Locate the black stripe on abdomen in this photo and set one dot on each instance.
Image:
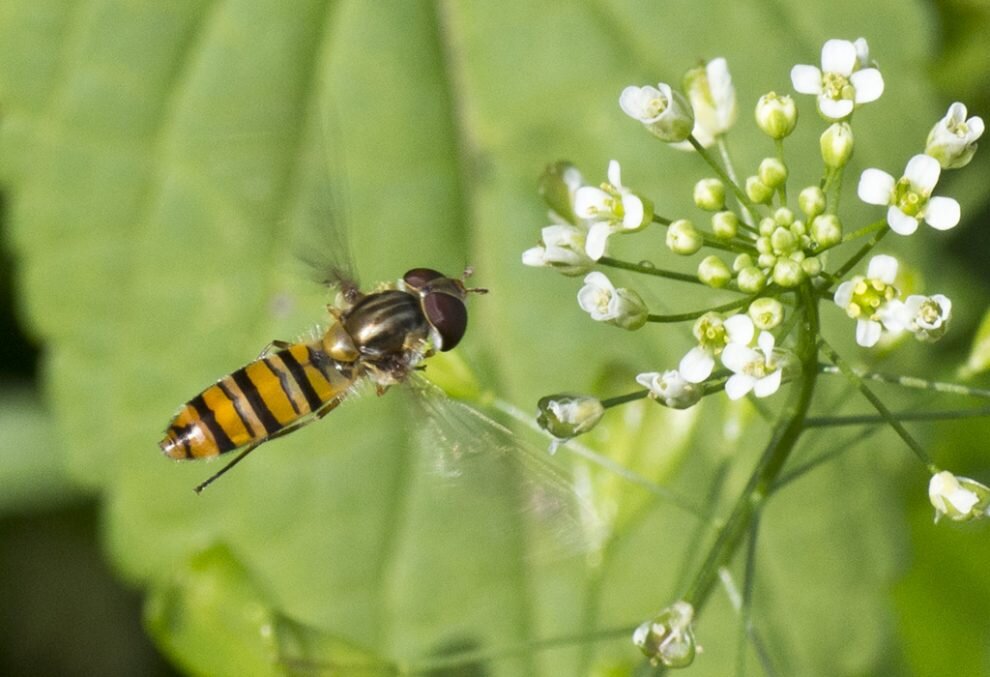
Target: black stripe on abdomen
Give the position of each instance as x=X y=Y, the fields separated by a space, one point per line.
x=206 y=415
x=256 y=401
x=298 y=374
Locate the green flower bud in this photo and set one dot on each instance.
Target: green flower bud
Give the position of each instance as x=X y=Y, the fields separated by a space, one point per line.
x=565 y=416
x=787 y=273
x=783 y=241
x=776 y=115
x=683 y=238
x=837 y=145
x=767 y=225
x=757 y=191
x=725 y=224
x=751 y=280
x=783 y=216
x=811 y=200
x=766 y=313
x=811 y=266
x=767 y=261
x=709 y=194
x=763 y=245
x=772 y=172
x=713 y=272
x=742 y=261
x=826 y=230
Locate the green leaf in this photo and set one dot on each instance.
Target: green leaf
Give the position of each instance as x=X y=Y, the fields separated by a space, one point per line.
x=979 y=353
x=161 y=164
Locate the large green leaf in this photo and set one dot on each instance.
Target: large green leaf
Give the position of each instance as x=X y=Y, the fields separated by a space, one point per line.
x=161 y=163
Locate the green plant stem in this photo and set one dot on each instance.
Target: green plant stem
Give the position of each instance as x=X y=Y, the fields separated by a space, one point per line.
x=782 y=442
x=858 y=256
x=778 y=145
x=649 y=270
x=875 y=419
x=695 y=314
x=734 y=185
x=881 y=408
x=912 y=382
x=833 y=186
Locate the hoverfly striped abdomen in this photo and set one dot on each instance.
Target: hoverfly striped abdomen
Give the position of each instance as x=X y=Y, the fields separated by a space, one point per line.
x=255 y=403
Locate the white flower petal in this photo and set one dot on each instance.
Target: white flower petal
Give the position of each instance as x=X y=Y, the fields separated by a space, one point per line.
x=868 y=333
x=614 y=174
x=696 y=365
x=649 y=380
x=739 y=329
x=975 y=125
x=766 y=342
x=739 y=385
x=838 y=56
x=768 y=385
x=883 y=268
x=923 y=172
x=843 y=295
x=835 y=109
x=535 y=256
x=875 y=187
x=942 y=213
x=868 y=84
x=901 y=223
x=589 y=201
x=629 y=102
x=737 y=356
x=634 y=211
x=806 y=79
x=594 y=244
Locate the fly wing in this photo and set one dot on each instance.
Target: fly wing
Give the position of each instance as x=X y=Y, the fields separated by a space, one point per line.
x=496 y=488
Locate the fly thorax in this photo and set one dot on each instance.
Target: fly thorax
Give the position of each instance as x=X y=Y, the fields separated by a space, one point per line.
x=386 y=324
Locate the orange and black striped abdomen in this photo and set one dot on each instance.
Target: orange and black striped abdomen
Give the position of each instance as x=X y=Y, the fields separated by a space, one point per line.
x=255 y=402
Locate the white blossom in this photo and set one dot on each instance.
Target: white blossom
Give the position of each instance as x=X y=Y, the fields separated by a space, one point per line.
x=952 y=141
x=842 y=83
x=958 y=498
x=866 y=299
x=610 y=209
x=562 y=247
x=759 y=370
x=713 y=99
x=927 y=317
x=713 y=335
x=606 y=303
x=670 y=388
x=664 y=112
x=910 y=199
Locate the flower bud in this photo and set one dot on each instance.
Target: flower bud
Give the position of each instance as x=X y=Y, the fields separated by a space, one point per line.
x=742 y=261
x=772 y=172
x=787 y=273
x=767 y=225
x=664 y=112
x=725 y=224
x=713 y=272
x=713 y=98
x=958 y=498
x=783 y=241
x=783 y=217
x=668 y=639
x=776 y=115
x=709 y=194
x=683 y=238
x=766 y=313
x=837 y=145
x=751 y=280
x=557 y=186
x=811 y=266
x=565 y=416
x=811 y=200
x=757 y=191
x=605 y=303
x=826 y=230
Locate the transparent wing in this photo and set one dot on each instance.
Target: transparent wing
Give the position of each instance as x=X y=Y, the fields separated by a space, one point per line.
x=495 y=487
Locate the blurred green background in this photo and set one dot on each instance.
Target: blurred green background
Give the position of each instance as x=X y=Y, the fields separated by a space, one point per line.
x=159 y=162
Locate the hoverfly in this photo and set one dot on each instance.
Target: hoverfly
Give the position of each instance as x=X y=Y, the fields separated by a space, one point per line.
x=381 y=336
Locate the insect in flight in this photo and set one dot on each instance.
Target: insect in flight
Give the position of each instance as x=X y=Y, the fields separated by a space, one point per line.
x=381 y=336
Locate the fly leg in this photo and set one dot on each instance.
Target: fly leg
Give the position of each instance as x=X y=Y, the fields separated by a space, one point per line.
x=318 y=414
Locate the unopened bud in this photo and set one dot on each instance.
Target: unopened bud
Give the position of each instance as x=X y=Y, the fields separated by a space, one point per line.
x=725 y=224
x=557 y=187
x=811 y=200
x=826 y=230
x=776 y=115
x=713 y=272
x=751 y=280
x=787 y=273
x=772 y=172
x=766 y=313
x=837 y=145
x=757 y=191
x=683 y=238
x=565 y=416
x=709 y=194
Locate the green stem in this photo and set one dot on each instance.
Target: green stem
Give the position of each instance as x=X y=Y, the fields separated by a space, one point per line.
x=858 y=256
x=623 y=399
x=782 y=189
x=649 y=270
x=785 y=436
x=873 y=419
x=695 y=314
x=737 y=191
x=881 y=408
x=912 y=382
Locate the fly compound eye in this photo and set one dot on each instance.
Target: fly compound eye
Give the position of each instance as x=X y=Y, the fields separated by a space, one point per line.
x=448 y=315
x=418 y=278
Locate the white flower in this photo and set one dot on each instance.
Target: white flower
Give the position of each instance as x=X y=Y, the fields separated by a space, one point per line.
x=754 y=370
x=612 y=208
x=670 y=388
x=565 y=416
x=952 y=141
x=866 y=299
x=842 y=83
x=563 y=248
x=927 y=317
x=621 y=307
x=663 y=111
x=958 y=498
x=910 y=199
x=713 y=334
x=713 y=98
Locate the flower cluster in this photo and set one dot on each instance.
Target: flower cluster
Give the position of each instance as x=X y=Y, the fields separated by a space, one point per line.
x=769 y=253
